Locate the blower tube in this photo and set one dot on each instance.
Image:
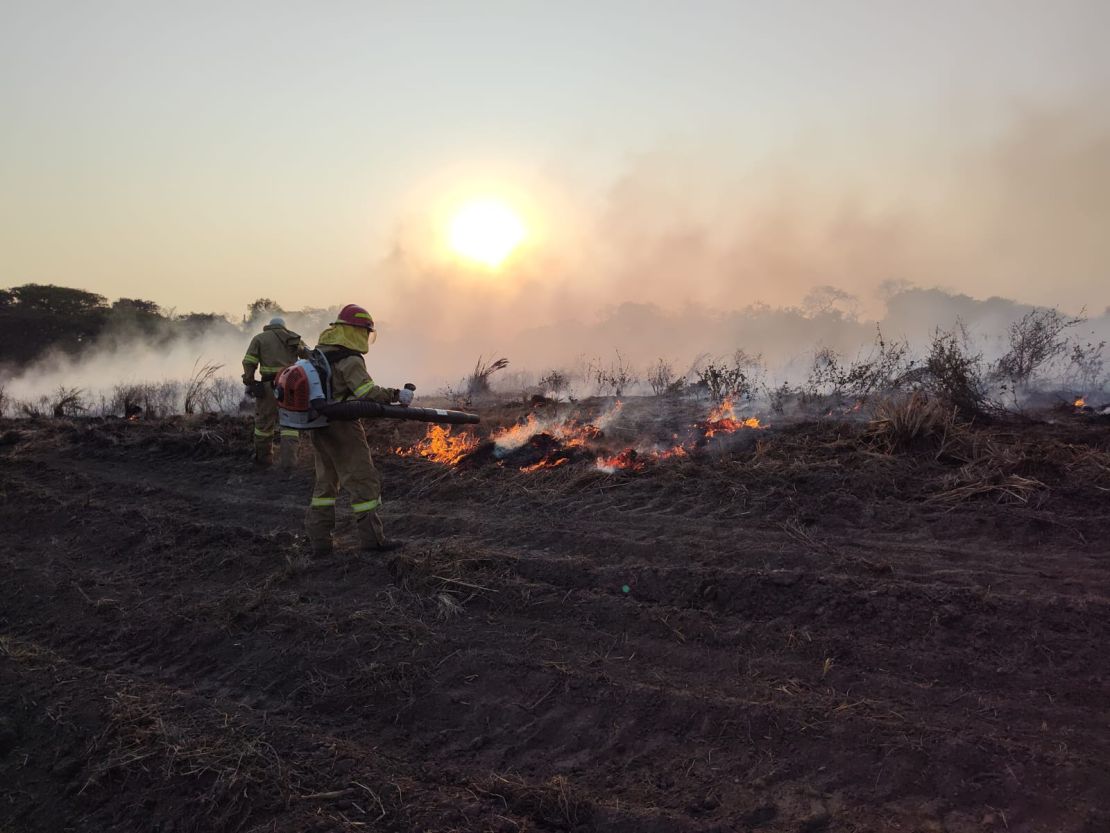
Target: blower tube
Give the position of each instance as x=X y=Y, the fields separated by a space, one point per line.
x=361 y=409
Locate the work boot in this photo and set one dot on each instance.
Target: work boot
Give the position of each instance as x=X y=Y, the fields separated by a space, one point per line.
x=322 y=549
x=371 y=534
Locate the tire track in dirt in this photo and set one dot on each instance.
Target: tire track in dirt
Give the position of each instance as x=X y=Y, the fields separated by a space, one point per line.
x=589 y=693
x=592 y=536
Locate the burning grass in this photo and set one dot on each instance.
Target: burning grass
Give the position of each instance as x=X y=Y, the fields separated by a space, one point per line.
x=542 y=442
x=723 y=420
x=441 y=446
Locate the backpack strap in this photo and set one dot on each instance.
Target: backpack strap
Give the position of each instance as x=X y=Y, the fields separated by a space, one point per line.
x=336 y=353
x=320 y=360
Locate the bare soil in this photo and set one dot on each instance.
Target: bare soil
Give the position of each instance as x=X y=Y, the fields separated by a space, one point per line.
x=808 y=633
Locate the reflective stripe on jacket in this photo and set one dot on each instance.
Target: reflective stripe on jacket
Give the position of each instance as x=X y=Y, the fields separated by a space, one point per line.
x=350 y=379
x=272 y=350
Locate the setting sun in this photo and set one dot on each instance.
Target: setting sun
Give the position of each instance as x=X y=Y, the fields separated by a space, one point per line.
x=486 y=231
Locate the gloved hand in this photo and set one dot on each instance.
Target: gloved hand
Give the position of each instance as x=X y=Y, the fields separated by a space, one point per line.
x=404 y=397
x=248 y=380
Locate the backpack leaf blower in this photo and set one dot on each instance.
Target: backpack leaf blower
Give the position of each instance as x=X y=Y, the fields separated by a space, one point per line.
x=303 y=392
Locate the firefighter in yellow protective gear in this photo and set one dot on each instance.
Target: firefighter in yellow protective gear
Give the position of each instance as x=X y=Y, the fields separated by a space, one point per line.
x=341 y=453
x=269 y=352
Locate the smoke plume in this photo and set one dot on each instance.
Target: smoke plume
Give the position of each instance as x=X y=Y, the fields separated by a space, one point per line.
x=683 y=257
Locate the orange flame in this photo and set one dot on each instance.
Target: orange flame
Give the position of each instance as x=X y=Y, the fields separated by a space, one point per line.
x=516 y=435
x=439 y=446
x=632 y=459
x=723 y=420
x=569 y=432
x=1081 y=402
x=677 y=451
x=545 y=463
x=627 y=460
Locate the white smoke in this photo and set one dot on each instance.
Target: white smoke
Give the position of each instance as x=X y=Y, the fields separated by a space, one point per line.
x=687 y=257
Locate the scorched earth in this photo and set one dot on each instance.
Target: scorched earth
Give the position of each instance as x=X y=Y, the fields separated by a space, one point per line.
x=824 y=626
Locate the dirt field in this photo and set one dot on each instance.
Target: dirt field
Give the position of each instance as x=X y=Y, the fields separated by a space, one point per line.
x=815 y=632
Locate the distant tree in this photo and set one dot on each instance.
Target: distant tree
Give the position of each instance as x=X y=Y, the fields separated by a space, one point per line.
x=207 y=322
x=135 y=314
x=828 y=300
x=137 y=306
x=58 y=300
x=202 y=318
x=36 y=317
x=262 y=308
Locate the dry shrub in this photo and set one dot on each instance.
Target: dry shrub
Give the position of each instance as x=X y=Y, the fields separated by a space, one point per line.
x=149 y=399
x=663 y=380
x=554 y=383
x=614 y=378
x=68 y=402
x=199 y=387
x=226 y=395
x=954 y=372
x=882 y=369
x=478 y=384
x=1036 y=341
x=34 y=409
x=911 y=422
x=736 y=379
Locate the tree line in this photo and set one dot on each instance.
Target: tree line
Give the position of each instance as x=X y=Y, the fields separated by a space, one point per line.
x=36 y=318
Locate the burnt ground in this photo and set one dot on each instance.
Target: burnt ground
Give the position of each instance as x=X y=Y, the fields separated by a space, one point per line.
x=819 y=632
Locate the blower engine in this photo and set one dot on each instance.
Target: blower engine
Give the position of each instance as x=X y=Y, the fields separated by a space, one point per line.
x=303 y=392
x=302 y=389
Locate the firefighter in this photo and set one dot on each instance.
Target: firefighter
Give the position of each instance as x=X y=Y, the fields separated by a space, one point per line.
x=340 y=450
x=271 y=350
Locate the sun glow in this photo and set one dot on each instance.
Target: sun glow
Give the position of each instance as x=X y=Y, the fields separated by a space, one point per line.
x=486 y=231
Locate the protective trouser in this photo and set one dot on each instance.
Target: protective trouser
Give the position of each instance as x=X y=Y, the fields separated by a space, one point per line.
x=343 y=462
x=289 y=439
x=265 y=423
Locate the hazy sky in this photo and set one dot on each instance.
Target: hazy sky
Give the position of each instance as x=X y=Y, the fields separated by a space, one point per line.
x=204 y=154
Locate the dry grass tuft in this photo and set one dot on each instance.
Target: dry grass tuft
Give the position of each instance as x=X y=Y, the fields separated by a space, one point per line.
x=911 y=422
x=976 y=480
x=553 y=802
x=27 y=653
x=153 y=726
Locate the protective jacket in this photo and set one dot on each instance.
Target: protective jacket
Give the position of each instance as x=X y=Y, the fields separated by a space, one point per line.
x=271 y=350
x=342 y=456
x=349 y=377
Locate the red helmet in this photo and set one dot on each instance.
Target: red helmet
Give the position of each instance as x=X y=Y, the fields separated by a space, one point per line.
x=356 y=316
